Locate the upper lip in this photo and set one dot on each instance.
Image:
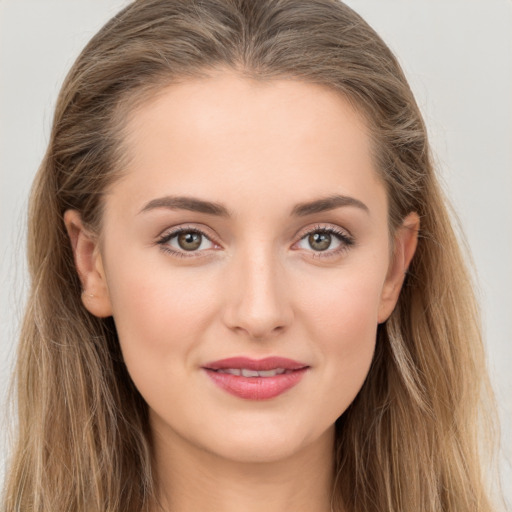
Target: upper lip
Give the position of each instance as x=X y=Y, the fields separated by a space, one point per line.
x=267 y=363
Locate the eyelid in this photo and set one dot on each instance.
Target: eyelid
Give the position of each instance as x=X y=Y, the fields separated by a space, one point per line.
x=169 y=233
x=332 y=228
x=345 y=238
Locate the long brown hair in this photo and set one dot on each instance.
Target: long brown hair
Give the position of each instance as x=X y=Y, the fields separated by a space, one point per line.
x=409 y=441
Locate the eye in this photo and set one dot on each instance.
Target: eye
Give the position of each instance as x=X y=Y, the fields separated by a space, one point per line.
x=327 y=240
x=321 y=241
x=185 y=240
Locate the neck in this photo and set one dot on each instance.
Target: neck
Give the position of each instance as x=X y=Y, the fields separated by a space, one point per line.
x=190 y=479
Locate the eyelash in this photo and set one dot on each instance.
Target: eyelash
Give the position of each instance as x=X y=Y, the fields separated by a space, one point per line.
x=164 y=239
x=346 y=241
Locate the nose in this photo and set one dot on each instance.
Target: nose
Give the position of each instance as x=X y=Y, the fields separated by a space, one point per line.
x=258 y=303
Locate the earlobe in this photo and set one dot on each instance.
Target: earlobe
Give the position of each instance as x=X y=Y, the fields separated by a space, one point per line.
x=89 y=265
x=406 y=240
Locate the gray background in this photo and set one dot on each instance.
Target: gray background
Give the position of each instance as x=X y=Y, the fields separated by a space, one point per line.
x=458 y=57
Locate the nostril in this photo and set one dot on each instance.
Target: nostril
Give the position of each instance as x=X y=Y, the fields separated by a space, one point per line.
x=257 y=304
x=259 y=332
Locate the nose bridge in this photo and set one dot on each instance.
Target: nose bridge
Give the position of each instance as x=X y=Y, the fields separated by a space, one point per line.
x=258 y=302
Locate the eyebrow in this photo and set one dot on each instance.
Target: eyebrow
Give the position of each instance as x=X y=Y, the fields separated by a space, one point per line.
x=211 y=208
x=187 y=203
x=327 y=203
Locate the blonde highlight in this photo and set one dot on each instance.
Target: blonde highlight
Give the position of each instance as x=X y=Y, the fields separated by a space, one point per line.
x=410 y=439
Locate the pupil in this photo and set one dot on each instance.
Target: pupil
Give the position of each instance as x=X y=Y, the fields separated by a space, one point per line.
x=320 y=241
x=189 y=241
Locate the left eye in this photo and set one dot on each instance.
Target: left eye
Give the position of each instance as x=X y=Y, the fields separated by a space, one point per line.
x=322 y=240
x=188 y=241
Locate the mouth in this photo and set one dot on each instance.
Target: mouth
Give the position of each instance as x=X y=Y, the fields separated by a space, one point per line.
x=256 y=379
x=245 y=372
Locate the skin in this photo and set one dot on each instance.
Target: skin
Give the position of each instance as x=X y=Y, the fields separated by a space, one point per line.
x=255 y=287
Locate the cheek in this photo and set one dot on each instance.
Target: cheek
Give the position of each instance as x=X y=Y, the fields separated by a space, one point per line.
x=343 y=317
x=158 y=314
x=344 y=304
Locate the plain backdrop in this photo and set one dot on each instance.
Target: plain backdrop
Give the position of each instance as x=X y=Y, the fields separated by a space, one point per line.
x=457 y=55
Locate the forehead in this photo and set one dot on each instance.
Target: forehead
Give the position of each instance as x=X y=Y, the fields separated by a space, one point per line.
x=224 y=100
x=222 y=133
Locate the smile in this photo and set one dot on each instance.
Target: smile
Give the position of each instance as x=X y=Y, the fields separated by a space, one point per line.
x=256 y=379
x=244 y=372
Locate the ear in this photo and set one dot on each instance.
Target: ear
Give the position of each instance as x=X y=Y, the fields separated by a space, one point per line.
x=406 y=240
x=89 y=265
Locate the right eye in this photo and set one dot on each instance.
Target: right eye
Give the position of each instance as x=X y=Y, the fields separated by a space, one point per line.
x=185 y=242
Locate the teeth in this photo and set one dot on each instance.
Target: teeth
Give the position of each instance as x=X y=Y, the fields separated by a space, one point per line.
x=232 y=371
x=249 y=373
x=271 y=373
x=253 y=373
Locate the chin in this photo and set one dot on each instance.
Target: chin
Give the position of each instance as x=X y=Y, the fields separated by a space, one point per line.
x=267 y=444
x=259 y=451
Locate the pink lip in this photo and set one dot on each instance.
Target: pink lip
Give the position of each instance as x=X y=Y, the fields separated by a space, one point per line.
x=256 y=388
x=268 y=363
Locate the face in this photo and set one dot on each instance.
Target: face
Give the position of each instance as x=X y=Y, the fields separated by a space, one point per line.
x=250 y=224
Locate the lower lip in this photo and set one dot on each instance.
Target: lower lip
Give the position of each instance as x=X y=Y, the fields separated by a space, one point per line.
x=256 y=388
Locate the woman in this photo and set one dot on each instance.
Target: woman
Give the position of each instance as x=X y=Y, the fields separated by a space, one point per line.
x=246 y=292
